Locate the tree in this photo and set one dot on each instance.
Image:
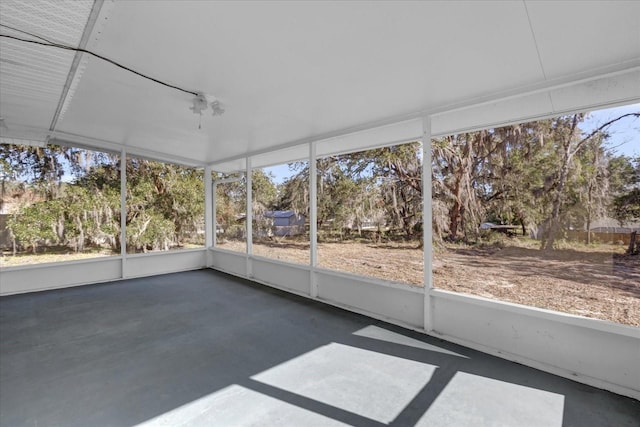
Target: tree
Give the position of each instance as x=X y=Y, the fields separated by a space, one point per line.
x=293 y=193
x=77 y=205
x=263 y=190
x=231 y=200
x=515 y=152
x=33 y=224
x=589 y=196
x=481 y=175
x=457 y=161
x=398 y=170
x=264 y=197
x=627 y=206
x=565 y=135
x=379 y=187
x=570 y=142
x=626 y=187
x=186 y=192
x=164 y=204
x=65 y=179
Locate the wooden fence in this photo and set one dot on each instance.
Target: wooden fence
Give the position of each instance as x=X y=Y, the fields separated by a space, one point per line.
x=614 y=238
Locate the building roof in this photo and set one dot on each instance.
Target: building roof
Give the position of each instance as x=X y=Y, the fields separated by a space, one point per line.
x=606 y=225
x=621 y=230
x=279 y=214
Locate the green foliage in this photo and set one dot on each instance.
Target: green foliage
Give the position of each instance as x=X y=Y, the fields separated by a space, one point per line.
x=164 y=205
x=34 y=224
x=71 y=196
x=231 y=202
x=379 y=188
x=544 y=176
x=150 y=230
x=264 y=195
x=622 y=173
x=625 y=176
x=263 y=190
x=293 y=193
x=627 y=206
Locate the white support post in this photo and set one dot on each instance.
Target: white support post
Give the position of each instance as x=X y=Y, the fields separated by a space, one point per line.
x=209 y=212
x=249 y=217
x=427 y=221
x=123 y=211
x=313 y=219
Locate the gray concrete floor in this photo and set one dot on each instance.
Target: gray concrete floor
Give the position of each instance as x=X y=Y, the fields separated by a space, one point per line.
x=204 y=348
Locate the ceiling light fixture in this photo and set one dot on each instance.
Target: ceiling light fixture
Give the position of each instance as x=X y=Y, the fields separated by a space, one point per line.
x=200 y=103
x=217 y=108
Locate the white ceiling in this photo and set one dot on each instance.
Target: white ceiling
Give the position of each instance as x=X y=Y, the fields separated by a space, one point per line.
x=32 y=78
x=293 y=71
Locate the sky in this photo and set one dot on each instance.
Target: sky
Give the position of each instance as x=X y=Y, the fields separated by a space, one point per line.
x=280 y=172
x=624 y=135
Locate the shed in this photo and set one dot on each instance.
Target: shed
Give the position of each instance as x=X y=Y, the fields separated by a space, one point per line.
x=286 y=223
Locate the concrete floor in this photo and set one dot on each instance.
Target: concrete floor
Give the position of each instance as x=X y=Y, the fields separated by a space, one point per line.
x=204 y=348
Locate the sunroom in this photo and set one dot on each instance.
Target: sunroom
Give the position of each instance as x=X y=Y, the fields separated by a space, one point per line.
x=314 y=213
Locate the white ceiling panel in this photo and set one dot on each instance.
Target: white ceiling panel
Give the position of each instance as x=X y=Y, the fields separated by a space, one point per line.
x=577 y=36
x=32 y=76
x=289 y=71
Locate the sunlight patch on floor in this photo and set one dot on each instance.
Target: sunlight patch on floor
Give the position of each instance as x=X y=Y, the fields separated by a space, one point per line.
x=238 y=406
x=374 y=385
x=473 y=400
x=377 y=333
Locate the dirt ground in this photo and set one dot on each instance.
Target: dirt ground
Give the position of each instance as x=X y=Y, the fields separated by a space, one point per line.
x=593 y=281
x=598 y=282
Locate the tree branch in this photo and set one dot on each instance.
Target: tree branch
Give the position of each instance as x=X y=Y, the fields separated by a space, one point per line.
x=601 y=127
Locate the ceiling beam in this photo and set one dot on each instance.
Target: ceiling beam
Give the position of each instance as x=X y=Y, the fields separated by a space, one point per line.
x=86 y=34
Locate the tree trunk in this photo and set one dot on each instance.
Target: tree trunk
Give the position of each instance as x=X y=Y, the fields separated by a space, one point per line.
x=632 y=249
x=590 y=191
x=557 y=200
x=397 y=216
x=80 y=242
x=570 y=148
x=454 y=213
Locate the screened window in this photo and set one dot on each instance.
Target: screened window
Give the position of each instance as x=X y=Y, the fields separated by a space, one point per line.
x=165 y=206
x=281 y=212
x=370 y=213
x=58 y=204
x=231 y=204
x=542 y=214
